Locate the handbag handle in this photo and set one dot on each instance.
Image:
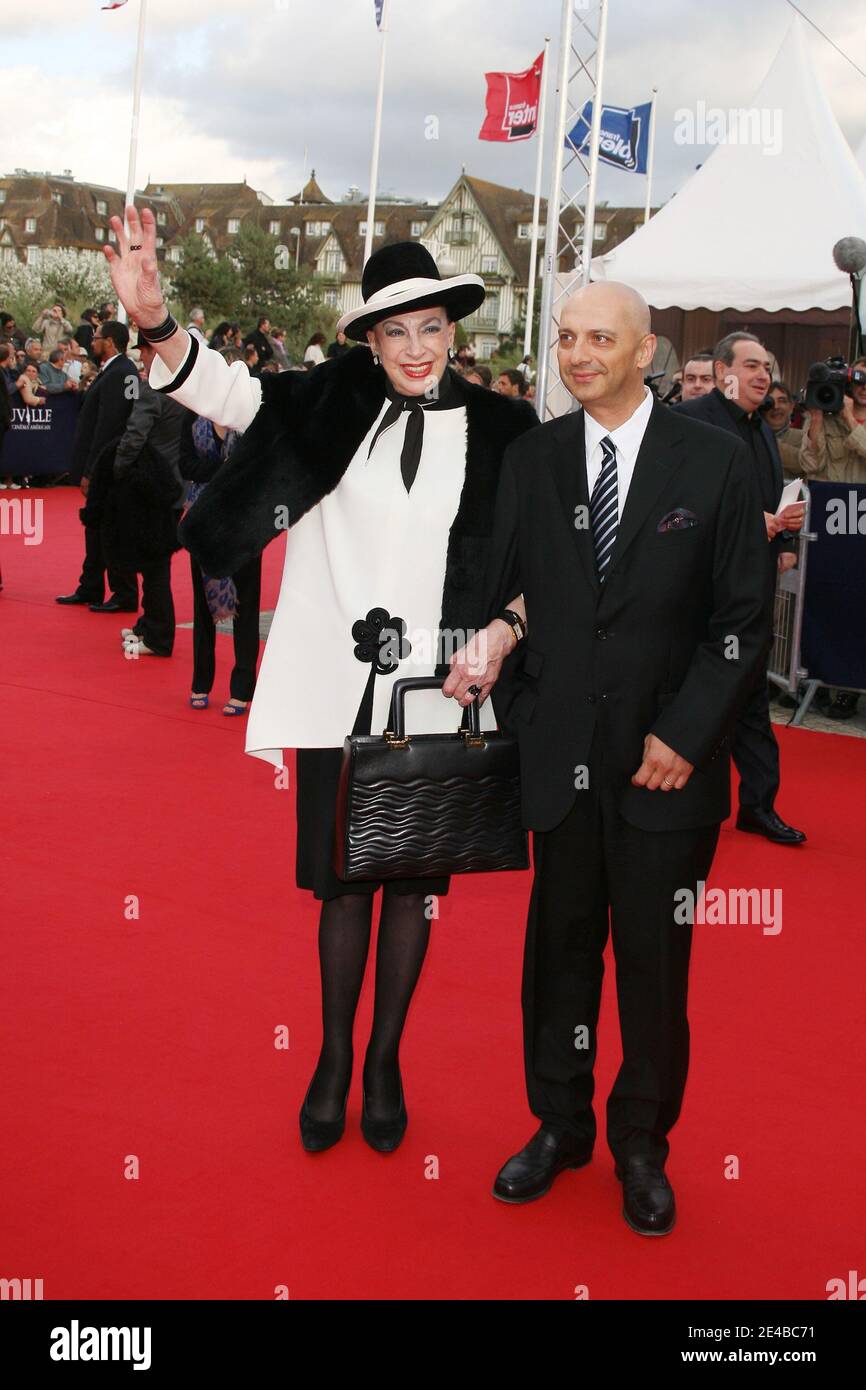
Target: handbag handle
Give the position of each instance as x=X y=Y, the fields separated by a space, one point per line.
x=397 y=713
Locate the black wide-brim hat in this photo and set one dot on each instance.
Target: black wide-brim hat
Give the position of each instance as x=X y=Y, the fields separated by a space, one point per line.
x=402 y=277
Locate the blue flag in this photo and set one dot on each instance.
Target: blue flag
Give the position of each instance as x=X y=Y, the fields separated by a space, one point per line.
x=623 y=138
x=378 y=4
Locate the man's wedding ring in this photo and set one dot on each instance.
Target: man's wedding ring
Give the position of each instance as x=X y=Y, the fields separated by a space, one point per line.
x=668 y=781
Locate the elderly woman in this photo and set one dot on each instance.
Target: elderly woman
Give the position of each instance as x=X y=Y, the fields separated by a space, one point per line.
x=384 y=463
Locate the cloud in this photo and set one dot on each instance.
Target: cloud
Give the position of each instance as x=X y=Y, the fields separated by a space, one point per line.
x=245 y=90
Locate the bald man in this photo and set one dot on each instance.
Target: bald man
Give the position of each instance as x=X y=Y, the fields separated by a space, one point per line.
x=636 y=539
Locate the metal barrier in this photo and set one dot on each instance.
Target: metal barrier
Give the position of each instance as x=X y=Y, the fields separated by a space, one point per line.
x=783 y=667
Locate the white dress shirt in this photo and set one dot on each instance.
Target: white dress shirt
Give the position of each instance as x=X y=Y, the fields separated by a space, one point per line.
x=626 y=439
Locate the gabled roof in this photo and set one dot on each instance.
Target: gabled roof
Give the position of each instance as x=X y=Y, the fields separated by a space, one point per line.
x=505 y=209
x=66 y=211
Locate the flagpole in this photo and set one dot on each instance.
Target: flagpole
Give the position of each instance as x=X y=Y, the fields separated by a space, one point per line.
x=377 y=135
x=595 y=137
x=650 y=154
x=133 y=135
x=551 y=239
x=533 y=253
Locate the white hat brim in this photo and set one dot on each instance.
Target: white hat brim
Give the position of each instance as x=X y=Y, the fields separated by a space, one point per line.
x=391 y=298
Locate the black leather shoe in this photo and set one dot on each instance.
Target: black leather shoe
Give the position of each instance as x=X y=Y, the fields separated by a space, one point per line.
x=111 y=605
x=317 y=1135
x=384 y=1135
x=70 y=599
x=769 y=824
x=531 y=1173
x=844 y=706
x=648 y=1198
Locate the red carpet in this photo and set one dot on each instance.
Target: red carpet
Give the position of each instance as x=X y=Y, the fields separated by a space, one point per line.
x=151 y=1041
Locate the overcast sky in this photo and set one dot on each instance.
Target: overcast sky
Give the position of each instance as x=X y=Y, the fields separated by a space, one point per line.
x=242 y=88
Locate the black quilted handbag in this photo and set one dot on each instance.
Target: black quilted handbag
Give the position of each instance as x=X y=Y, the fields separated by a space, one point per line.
x=409 y=806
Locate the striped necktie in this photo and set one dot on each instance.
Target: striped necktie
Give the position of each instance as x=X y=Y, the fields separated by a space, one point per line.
x=604 y=508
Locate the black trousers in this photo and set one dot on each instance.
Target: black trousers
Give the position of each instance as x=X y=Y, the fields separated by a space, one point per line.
x=594 y=871
x=122 y=583
x=755 y=751
x=156 y=625
x=245 y=633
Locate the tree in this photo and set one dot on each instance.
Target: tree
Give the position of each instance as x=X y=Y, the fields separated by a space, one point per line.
x=269 y=284
x=77 y=278
x=205 y=280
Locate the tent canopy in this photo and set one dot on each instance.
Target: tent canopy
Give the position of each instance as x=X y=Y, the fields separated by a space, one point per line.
x=754 y=230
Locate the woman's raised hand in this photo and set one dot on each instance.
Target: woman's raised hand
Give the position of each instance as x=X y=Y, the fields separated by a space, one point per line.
x=134 y=272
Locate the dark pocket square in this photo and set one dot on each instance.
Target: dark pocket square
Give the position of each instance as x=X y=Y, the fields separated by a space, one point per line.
x=680 y=519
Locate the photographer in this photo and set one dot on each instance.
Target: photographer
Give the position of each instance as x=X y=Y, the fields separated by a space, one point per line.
x=833 y=449
x=777 y=412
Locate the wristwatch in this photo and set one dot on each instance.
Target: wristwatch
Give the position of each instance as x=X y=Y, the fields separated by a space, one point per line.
x=515 y=622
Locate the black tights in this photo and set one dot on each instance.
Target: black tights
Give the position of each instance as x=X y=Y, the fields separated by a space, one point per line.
x=344 y=940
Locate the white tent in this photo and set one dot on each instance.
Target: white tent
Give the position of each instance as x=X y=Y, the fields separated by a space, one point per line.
x=754 y=230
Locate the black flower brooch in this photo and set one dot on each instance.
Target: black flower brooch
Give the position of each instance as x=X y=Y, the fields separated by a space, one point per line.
x=381 y=640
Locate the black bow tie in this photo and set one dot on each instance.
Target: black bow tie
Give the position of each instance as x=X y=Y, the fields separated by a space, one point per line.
x=445 y=398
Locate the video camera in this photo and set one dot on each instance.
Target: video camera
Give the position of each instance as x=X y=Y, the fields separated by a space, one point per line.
x=828 y=383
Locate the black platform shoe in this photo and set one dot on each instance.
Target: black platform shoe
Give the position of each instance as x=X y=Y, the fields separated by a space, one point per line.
x=384 y=1135
x=318 y=1135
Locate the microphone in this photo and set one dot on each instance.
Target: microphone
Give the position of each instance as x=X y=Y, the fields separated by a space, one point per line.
x=849 y=255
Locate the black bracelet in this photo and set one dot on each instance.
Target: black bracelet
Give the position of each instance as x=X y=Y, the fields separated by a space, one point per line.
x=164 y=330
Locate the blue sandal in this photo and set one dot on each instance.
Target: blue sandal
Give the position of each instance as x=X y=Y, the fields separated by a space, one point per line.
x=198 y=701
x=232 y=710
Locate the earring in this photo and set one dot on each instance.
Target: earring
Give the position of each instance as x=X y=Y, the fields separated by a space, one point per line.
x=376 y=359
x=451 y=354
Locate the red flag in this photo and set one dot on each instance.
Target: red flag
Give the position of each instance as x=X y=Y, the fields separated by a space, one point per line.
x=512 y=103
x=114 y=5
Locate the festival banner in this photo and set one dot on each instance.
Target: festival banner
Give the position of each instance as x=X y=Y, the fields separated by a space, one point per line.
x=512 y=103
x=623 y=139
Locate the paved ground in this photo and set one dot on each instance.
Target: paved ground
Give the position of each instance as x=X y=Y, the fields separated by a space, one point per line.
x=816 y=719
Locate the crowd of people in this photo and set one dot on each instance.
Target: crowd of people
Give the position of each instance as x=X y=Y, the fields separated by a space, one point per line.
x=830 y=447
x=55 y=358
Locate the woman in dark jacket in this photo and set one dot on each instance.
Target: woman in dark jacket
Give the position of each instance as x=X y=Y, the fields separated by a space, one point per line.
x=384 y=464
x=222 y=336
x=205 y=448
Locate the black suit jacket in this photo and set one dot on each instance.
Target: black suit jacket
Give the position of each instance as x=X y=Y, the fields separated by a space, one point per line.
x=712 y=409
x=261 y=344
x=669 y=644
x=104 y=412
